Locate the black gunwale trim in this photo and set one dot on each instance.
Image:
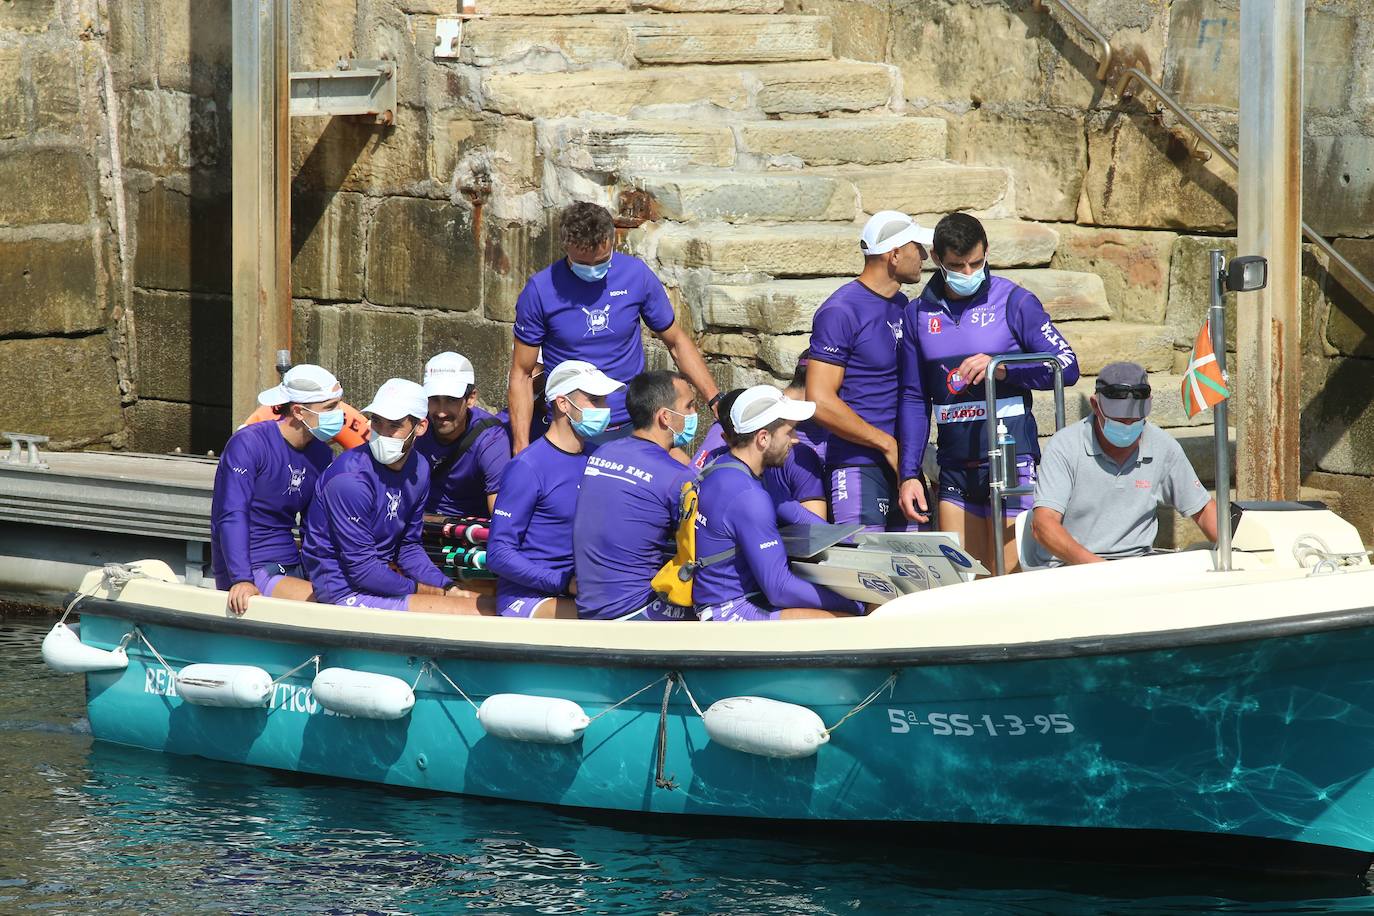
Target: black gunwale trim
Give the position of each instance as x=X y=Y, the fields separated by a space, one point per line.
x=1324 y=622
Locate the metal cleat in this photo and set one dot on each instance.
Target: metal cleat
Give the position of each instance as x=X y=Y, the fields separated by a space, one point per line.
x=30 y=456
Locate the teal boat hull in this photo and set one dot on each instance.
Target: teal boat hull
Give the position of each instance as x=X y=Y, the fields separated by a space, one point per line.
x=1256 y=740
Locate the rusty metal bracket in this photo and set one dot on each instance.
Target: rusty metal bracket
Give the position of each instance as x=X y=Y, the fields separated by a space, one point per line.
x=353 y=88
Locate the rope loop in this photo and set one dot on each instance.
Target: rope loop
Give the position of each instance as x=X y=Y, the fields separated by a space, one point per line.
x=432 y=667
x=889 y=685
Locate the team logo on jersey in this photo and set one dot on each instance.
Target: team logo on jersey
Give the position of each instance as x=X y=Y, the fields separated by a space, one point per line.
x=598 y=319
x=297 y=480
x=933 y=324
x=896 y=328
x=393 y=504
x=954 y=381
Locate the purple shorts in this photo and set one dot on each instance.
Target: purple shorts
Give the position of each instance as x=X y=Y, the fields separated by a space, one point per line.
x=267 y=576
x=737 y=609
x=868 y=494
x=374 y=602
x=515 y=600
x=967 y=488
x=658 y=609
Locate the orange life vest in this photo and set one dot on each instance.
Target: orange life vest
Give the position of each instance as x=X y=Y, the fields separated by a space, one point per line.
x=354 y=432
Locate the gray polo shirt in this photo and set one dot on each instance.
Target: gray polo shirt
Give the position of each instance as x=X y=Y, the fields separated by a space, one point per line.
x=1110 y=508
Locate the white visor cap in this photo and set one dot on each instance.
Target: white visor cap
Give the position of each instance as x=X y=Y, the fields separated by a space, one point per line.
x=449 y=375
x=889 y=230
x=763 y=404
x=397 y=398
x=578 y=375
x=303 y=384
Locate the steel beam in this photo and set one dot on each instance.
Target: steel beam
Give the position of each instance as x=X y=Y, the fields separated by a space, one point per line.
x=261 y=196
x=1269 y=211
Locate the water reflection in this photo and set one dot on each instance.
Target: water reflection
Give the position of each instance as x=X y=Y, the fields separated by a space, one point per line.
x=91 y=827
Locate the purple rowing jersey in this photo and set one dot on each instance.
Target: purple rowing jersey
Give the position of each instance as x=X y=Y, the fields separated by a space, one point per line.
x=262 y=485
x=366 y=517
x=477 y=473
x=734 y=511
x=598 y=321
x=530 y=548
x=1000 y=318
x=860 y=331
x=800 y=479
x=627 y=514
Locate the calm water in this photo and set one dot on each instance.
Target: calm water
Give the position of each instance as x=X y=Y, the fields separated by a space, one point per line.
x=86 y=827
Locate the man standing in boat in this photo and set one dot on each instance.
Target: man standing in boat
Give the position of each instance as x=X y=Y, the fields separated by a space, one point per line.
x=589 y=306
x=852 y=373
x=1102 y=479
x=361 y=540
x=735 y=521
x=265 y=482
x=467 y=448
x=530 y=548
x=627 y=510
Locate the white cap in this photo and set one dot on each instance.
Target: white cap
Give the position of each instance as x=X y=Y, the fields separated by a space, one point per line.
x=397 y=398
x=303 y=384
x=449 y=375
x=578 y=375
x=756 y=407
x=888 y=230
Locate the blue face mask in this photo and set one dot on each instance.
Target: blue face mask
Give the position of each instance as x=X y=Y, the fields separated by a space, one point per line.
x=689 y=430
x=591 y=421
x=330 y=424
x=1121 y=434
x=965 y=284
x=592 y=273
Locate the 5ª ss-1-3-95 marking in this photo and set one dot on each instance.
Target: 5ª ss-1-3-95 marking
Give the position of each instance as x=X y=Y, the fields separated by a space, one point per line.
x=963 y=725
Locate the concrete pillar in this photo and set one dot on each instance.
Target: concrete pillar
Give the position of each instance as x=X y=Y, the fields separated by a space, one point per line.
x=262 y=197
x=1270 y=224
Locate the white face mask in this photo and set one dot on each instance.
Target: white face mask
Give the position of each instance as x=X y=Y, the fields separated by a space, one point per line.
x=388 y=449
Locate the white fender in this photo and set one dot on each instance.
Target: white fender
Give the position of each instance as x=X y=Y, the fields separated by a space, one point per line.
x=64 y=651
x=768 y=728
x=362 y=694
x=231 y=686
x=521 y=717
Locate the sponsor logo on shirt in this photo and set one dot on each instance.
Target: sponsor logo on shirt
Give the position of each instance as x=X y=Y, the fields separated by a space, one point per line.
x=829 y=349
x=503 y=513
x=974 y=411
x=393 y=504
x=598 y=319
x=297 y=480
x=620 y=292
x=933 y=324
x=983 y=317
x=766 y=544
x=896 y=328
x=954 y=381
x=238 y=470
x=883 y=505
x=1142 y=485
x=841 y=487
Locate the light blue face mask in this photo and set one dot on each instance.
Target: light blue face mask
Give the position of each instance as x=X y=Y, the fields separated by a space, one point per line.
x=330 y=423
x=1121 y=434
x=592 y=273
x=965 y=284
x=689 y=430
x=591 y=421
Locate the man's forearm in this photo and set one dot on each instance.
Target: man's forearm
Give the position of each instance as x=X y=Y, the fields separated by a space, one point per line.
x=1055 y=538
x=839 y=418
x=520 y=402
x=690 y=363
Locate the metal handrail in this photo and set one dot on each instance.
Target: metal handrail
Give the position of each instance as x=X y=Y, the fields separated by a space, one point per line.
x=1201 y=134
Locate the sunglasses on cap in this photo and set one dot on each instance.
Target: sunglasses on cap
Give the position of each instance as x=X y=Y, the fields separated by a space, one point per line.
x=1138 y=392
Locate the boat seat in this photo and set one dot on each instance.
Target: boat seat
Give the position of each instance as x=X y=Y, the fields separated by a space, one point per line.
x=1024 y=538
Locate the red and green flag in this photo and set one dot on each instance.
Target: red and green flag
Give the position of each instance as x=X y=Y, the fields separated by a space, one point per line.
x=1203 y=384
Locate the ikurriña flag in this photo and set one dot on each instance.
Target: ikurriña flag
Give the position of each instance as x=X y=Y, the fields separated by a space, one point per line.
x=1203 y=385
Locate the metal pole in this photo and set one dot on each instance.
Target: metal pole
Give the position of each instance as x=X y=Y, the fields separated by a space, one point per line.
x=1270 y=224
x=261 y=197
x=1222 y=445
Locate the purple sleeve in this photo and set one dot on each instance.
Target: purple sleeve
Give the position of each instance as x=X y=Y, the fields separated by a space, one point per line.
x=348 y=501
x=1037 y=334
x=913 y=410
x=510 y=520
x=805 y=474
x=232 y=498
x=493 y=454
x=529 y=315
x=792 y=512
x=832 y=336
x=757 y=538
x=656 y=309
x=411 y=556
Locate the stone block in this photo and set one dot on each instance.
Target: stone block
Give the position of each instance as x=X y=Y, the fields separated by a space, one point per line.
x=129 y=46
x=843 y=141
x=181 y=343
x=1350 y=320
x=497 y=152
x=618 y=92
x=56 y=89
x=936 y=188
x=193 y=47
x=549 y=7
x=62 y=196
x=729 y=38
x=184 y=242
x=512 y=253
x=327 y=246
x=1200 y=447
x=814 y=88
x=1338 y=184
x=26 y=15
x=1133 y=266
x=14 y=103
x=424 y=253
x=738 y=346
x=375 y=345
x=779 y=307
x=1356 y=498
x=547 y=43
x=1016 y=244
x=1067 y=295
x=748 y=198
x=322 y=31
x=730 y=376
x=1140 y=175
x=49 y=287
x=780 y=353
x=486 y=343
x=167 y=132
x=166 y=426
x=796 y=250
x=1098 y=343
x=346 y=154
x=1189 y=294
x=598 y=145
x=861 y=27
x=1337 y=432
x=709 y=6
x=70 y=391
x=959 y=52
x=1046 y=183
